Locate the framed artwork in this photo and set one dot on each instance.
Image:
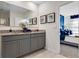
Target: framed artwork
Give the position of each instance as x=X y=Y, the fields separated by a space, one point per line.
x=34 y=21
x=43 y=19
x=51 y=18
x=30 y=21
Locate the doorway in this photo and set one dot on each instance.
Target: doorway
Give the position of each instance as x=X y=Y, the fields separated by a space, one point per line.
x=69 y=29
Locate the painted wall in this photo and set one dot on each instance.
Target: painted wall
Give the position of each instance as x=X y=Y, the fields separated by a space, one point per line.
x=52 y=29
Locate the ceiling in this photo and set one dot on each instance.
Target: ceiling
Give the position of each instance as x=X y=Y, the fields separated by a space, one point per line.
x=38 y=2
x=8 y=7
x=42 y=2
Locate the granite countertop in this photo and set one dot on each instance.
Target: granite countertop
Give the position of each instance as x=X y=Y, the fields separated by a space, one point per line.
x=20 y=33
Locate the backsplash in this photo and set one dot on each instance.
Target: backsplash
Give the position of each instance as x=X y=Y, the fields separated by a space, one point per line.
x=5 y=29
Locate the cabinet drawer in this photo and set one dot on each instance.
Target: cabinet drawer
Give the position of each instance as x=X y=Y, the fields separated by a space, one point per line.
x=37 y=34
x=14 y=37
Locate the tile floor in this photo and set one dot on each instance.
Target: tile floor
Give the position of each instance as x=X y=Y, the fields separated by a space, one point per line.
x=44 y=54
x=69 y=51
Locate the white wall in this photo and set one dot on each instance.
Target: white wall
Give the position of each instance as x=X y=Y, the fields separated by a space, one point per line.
x=52 y=29
x=10 y=27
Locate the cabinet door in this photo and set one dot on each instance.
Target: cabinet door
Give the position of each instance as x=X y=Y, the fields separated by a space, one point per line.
x=24 y=46
x=69 y=51
x=37 y=41
x=41 y=42
x=9 y=49
x=78 y=51
x=34 y=43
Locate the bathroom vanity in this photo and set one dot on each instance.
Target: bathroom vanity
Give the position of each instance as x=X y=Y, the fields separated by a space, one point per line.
x=14 y=45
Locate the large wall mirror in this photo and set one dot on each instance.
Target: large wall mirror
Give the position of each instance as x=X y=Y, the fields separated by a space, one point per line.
x=12 y=15
x=4 y=17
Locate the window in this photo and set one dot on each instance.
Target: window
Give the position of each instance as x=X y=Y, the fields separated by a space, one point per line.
x=74 y=26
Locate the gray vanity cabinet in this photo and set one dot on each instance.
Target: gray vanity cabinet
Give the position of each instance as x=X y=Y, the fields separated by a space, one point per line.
x=41 y=42
x=34 y=43
x=24 y=46
x=15 y=46
x=9 y=49
x=18 y=45
x=37 y=41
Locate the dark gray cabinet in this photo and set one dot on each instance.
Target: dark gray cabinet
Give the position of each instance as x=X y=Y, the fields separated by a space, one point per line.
x=37 y=41
x=41 y=42
x=14 y=46
x=34 y=43
x=9 y=49
x=24 y=46
x=18 y=45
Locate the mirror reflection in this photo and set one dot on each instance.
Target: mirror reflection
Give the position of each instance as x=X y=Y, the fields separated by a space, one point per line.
x=11 y=15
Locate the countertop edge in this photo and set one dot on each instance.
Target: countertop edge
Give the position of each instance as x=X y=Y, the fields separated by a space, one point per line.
x=21 y=33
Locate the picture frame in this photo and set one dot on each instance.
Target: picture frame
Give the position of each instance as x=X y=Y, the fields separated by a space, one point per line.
x=30 y=21
x=43 y=19
x=50 y=18
x=34 y=21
